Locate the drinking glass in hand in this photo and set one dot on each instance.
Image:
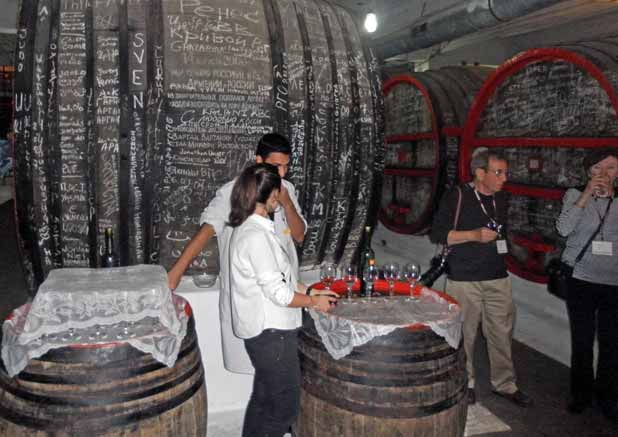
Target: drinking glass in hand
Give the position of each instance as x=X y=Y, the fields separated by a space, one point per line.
x=327 y=274
x=348 y=273
x=410 y=274
x=370 y=275
x=391 y=272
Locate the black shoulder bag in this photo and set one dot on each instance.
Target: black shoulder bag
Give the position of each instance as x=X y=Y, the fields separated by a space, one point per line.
x=559 y=272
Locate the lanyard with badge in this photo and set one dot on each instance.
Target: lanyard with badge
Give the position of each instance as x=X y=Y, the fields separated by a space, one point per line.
x=599 y=246
x=493 y=224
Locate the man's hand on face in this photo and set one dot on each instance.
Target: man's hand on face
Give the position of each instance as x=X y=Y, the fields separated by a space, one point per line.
x=284 y=197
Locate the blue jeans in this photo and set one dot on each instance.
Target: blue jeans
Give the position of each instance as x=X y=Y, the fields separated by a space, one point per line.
x=275 y=400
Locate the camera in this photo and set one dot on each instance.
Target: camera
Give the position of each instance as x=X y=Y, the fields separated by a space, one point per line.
x=438 y=266
x=494 y=226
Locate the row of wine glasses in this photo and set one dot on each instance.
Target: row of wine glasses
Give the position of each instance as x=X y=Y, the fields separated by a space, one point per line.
x=391 y=271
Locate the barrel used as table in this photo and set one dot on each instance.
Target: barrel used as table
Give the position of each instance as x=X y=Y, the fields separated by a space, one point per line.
x=407 y=383
x=106 y=390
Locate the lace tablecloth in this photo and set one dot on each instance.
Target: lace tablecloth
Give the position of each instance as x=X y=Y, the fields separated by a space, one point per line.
x=97 y=306
x=357 y=321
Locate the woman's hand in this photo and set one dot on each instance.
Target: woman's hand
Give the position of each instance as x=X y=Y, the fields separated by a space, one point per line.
x=597 y=182
x=325 y=292
x=323 y=303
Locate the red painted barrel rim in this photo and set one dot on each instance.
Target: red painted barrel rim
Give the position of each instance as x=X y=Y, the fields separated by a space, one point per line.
x=416 y=290
x=421 y=223
x=469 y=140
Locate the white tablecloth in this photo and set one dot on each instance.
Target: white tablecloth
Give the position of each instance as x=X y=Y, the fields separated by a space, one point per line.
x=96 y=306
x=357 y=321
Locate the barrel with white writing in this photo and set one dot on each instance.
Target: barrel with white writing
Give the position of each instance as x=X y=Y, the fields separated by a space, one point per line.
x=544 y=110
x=130 y=114
x=424 y=116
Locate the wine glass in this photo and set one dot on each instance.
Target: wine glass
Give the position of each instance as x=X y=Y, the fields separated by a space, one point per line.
x=410 y=274
x=348 y=273
x=370 y=275
x=391 y=272
x=327 y=274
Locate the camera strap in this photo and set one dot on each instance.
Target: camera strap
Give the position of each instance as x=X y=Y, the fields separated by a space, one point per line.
x=493 y=199
x=446 y=249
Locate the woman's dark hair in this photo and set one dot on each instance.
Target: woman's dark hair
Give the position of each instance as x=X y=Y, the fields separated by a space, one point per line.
x=253 y=186
x=273 y=143
x=598 y=155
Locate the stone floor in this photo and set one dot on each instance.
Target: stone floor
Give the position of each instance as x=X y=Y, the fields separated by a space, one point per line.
x=546 y=380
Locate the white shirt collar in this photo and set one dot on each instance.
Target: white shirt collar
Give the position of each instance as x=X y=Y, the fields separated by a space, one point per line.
x=264 y=222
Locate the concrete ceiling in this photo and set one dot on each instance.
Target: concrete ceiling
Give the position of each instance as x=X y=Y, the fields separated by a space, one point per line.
x=567 y=21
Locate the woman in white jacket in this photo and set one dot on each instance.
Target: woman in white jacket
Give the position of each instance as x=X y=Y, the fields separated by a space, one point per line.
x=265 y=303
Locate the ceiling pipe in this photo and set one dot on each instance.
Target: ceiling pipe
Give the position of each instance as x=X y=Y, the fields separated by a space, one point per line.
x=463 y=18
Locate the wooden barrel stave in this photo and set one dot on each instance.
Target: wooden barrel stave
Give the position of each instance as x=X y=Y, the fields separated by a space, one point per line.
x=111 y=390
x=405 y=383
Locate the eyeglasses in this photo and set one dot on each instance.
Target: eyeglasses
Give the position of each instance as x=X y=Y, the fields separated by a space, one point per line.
x=499 y=172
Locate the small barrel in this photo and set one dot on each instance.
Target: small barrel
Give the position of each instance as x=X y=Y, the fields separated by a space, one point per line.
x=424 y=115
x=107 y=390
x=410 y=382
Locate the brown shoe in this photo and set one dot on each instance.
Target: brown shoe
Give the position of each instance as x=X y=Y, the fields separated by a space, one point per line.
x=518 y=397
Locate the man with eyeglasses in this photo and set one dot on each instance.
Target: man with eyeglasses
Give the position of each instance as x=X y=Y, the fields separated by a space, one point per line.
x=477 y=276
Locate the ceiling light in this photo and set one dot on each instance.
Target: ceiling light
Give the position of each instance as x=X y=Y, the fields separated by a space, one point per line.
x=371 y=22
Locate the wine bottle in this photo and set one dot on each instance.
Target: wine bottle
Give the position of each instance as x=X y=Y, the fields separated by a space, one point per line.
x=368 y=257
x=110 y=257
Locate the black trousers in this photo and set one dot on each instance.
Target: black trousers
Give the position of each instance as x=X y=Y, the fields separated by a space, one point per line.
x=593 y=307
x=275 y=400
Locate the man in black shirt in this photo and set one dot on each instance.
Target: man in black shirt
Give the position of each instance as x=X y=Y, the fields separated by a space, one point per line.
x=477 y=276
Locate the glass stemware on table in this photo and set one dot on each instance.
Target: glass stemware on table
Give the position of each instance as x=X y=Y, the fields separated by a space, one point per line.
x=348 y=274
x=391 y=274
x=410 y=273
x=328 y=272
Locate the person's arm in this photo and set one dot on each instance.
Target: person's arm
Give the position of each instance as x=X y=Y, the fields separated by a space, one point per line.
x=291 y=210
x=442 y=227
x=573 y=204
x=191 y=250
x=479 y=235
x=270 y=278
x=318 y=302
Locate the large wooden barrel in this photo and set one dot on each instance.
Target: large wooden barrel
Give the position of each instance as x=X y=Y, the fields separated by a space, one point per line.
x=407 y=383
x=424 y=115
x=108 y=390
x=130 y=114
x=545 y=109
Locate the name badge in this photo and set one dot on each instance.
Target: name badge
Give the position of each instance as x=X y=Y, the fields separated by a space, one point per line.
x=602 y=248
x=502 y=247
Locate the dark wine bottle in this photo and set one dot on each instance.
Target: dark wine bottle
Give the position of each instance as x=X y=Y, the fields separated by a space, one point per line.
x=110 y=257
x=368 y=257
